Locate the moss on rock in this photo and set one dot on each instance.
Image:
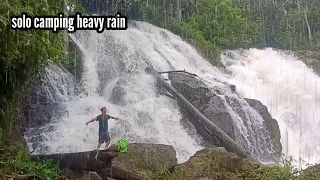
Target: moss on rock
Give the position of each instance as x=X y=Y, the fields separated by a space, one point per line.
x=210 y=162
x=142 y=160
x=311 y=173
x=218 y=163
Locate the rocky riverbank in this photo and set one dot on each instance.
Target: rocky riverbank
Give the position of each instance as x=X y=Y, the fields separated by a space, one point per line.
x=157 y=161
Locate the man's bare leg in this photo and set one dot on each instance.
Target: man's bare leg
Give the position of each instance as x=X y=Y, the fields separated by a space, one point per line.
x=107 y=144
x=99 y=145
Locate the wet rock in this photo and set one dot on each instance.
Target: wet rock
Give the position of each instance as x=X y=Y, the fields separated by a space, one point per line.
x=219 y=164
x=207 y=101
x=141 y=161
x=118 y=93
x=61 y=178
x=233 y=88
x=44 y=101
x=71 y=175
x=207 y=163
x=80 y=175
x=270 y=123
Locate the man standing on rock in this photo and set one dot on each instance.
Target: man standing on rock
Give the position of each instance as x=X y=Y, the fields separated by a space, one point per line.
x=103 y=127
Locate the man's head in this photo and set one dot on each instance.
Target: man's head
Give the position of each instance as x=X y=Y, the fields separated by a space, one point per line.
x=103 y=110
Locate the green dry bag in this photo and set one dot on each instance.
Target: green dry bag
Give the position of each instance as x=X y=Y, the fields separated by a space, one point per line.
x=122 y=145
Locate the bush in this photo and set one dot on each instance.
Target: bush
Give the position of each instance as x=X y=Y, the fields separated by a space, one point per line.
x=22 y=164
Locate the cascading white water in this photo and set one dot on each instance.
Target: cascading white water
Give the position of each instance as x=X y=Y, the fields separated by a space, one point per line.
x=289 y=89
x=110 y=58
x=114 y=63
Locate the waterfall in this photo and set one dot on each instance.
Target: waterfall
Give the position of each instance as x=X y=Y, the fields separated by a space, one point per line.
x=114 y=63
x=289 y=89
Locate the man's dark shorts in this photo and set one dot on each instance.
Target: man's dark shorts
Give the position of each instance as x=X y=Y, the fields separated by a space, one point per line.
x=104 y=137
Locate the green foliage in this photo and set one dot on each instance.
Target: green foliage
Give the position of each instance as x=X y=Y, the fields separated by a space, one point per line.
x=264 y=172
x=311 y=173
x=246 y=171
x=25 y=53
x=209 y=25
x=196 y=38
x=221 y=23
x=23 y=56
x=22 y=163
x=268 y=173
x=285 y=23
x=284 y=171
x=164 y=174
x=15 y=159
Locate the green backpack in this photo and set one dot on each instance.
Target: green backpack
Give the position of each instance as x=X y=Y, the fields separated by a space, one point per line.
x=122 y=145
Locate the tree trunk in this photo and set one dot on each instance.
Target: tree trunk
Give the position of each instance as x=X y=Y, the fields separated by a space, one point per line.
x=308 y=26
x=178 y=11
x=184 y=71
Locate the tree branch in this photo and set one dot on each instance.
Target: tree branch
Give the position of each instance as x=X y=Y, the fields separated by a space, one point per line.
x=184 y=71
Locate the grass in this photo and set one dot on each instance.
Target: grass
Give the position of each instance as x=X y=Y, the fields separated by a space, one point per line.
x=164 y=174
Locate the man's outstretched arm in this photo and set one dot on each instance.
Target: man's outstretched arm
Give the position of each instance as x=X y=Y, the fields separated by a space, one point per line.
x=113 y=117
x=92 y=120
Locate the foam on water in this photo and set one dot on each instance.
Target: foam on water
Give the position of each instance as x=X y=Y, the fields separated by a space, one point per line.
x=289 y=89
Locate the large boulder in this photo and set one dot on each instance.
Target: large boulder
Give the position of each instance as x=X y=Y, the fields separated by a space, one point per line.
x=219 y=164
x=141 y=161
x=246 y=121
x=208 y=163
x=208 y=102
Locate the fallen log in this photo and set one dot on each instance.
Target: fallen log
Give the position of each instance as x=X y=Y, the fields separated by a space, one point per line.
x=166 y=93
x=228 y=142
x=183 y=71
x=82 y=160
x=138 y=163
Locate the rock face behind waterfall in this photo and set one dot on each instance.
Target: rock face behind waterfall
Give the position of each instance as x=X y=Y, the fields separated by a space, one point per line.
x=45 y=104
x=226 y=109
x=270 y=123
x=44 y=100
